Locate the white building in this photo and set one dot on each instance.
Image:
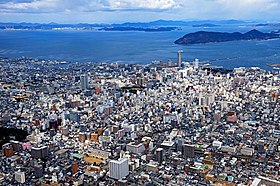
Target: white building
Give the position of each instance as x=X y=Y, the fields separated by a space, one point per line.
x=20 y=177
x=135 y=148
x=217 y=144
x=247 y=151
x=118 y=168
x=179 y=58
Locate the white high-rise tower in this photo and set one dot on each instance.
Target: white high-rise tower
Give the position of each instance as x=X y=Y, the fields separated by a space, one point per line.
x=179 y=58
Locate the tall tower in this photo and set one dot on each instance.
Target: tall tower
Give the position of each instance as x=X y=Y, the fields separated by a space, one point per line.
x=179 y=58
x=196 y=63
x=159 y=155
x=84 y=82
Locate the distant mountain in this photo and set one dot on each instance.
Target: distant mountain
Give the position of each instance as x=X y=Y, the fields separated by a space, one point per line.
x=215 y=37
x=204 y=25
x=178 y=23
x=276 y=32
x=157 y=23
x=231 y=22
x=48 y=26
x=267 y=25
x=144 y=29
x=153 y=23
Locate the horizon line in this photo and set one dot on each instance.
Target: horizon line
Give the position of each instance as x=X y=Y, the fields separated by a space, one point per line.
x=174 y=20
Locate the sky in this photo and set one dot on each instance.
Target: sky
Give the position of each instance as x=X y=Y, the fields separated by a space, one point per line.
x=118 y=11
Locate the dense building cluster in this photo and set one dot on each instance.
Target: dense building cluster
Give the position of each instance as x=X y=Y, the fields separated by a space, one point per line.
x=125 y=124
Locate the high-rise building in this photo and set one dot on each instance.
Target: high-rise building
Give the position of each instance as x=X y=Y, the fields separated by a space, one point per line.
x=201 y=100
x=118 y=168
x=20 y=177
x=35 y=152
x=52 y=132
x=260 y=146
x=179 y=58
x=38 y=171
x=196 y=63
x=179 y=145
x=140 y=82
x=135 y=147
x=39 y=152
x=159 y=155
x=188 y=151
x=84 y=82
x=44 y=151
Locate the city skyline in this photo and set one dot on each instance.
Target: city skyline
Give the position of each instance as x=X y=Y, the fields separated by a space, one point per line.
x=111 y=11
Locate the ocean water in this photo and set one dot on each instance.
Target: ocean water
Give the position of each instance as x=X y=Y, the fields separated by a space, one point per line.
x=137 y=47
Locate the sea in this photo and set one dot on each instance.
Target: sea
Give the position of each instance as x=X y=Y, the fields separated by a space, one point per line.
x=138 y=47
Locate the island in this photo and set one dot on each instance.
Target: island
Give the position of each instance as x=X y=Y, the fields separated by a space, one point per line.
x=203 y=37
x=206 y=25
x=274 y=65
x=150 y=29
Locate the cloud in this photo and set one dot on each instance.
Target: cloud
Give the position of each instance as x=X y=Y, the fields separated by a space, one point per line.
x=248 y=9
x=23 y=6
x=138 y=10
x=128 y=5
x=143 y=4
x=230 y=9
x=85 y=5
x=249 y=5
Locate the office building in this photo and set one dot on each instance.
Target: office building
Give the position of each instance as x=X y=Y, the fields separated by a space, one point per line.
x=179 y=58
x=140 y=82
x=38 y=171
x=159 y=155
x=188 y=151
x=179 y=145
x=196 y=63
x=135 y=148
x=84 y=82
x=20 y=177
x=39 y=152
x=247 y=151
x=260 y=146
x=118 y=168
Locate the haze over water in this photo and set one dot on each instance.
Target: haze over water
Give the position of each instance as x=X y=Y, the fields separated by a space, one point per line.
x=137 y=47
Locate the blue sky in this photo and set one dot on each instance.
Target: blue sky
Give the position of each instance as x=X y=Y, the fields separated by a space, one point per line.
x=108 y=11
